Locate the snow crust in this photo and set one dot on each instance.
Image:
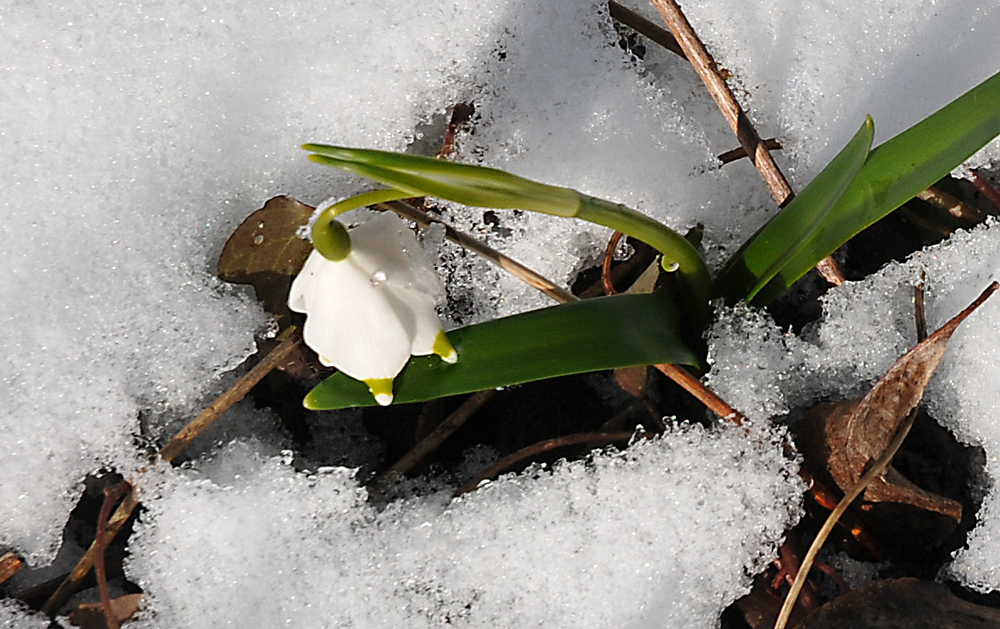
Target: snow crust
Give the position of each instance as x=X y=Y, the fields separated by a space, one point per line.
x=136 y=137
x=664 y=534
x=14 y=616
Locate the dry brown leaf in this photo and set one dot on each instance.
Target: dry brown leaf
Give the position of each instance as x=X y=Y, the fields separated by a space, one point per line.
x=902 y=603
x=91 y=615
x=846 y=437
x=266 y=252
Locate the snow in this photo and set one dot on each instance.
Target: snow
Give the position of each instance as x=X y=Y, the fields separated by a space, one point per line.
x=14 y=616
x=136 y=137
x=618 y=540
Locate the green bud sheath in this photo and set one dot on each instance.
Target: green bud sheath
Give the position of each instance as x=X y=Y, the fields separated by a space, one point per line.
x=331 y=239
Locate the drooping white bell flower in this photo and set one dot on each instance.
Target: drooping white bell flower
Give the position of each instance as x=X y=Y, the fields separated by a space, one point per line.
x=368 y=312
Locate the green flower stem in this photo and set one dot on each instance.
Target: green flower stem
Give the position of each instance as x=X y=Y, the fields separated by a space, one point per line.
x=329 y=235
x=677 y=253
x=478 y=186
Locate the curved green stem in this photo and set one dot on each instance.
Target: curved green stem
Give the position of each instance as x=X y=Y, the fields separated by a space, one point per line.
x=329 y=235
x=488 y=187
x=678 y=254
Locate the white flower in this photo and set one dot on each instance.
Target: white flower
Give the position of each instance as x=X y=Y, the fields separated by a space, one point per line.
x=366 y=314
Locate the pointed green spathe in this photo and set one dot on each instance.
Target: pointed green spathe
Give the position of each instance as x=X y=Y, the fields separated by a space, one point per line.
x=892 y=174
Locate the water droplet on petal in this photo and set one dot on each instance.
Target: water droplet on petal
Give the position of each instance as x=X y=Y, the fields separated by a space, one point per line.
x=378 y=277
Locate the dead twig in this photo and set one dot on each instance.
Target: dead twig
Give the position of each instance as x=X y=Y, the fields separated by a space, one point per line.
x=468 y=242
x=919 y=318
x=111 y=496
x=288 y=341
x=651 y=30
x=706 y=396
x=986 y=189
x=609 y=256
x=772 y=144
x=9 y=565
x=876 y=471
x=429 y=443
x=747 y=135
x=956 y=207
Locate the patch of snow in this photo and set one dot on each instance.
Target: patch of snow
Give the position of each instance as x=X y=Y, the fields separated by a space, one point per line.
x=663 y=534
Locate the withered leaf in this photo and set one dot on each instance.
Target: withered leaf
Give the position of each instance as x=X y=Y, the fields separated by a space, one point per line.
x=91 y=615
x=848 y=436
x=900 y=603
x=266 y=252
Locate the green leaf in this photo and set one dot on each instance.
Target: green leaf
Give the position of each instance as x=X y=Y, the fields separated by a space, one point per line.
x=591 y=335
x=894 y=173
x=793 y=230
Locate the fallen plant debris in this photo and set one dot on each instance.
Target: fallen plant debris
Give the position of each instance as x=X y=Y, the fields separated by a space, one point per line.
x=9 y=565
x=842 y=439
x=883 y=416
x=267 y=252
x=902 y=604
x=94 y=616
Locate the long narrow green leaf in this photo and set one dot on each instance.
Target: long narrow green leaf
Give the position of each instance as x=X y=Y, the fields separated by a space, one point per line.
x=793 y=229
x=590 y=335
x=894 y=173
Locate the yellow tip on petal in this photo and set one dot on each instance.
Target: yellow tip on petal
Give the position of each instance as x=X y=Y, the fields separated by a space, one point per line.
x=444 y=349
x=381 y=389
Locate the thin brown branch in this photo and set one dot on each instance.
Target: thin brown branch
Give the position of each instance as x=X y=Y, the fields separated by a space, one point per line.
x=111 y=496
x=790 y=566
x=609 y=256
x=9 y=565
x=652 y=31
x=919 y=318
x=593 y=439
x=956 y=207
x=290 y=339
x=468 y=242
x=72 y=582
x=986 y=189
x=772 y=144
x=747 y=135
x=706 y=396
x=430 y=443
x=875 y=472
x=707 y=69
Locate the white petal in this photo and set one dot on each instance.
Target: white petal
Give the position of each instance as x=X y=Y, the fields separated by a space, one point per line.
x=352 y=325
x=385 y=246
x=302 y=281
x=416 y=311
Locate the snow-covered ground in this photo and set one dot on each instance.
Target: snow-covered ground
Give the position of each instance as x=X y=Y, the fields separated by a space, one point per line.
x=135 y=137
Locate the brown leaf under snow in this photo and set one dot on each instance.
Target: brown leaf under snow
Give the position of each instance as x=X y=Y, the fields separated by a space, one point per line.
x=846 y=437
x=902 y=603
x=266 y=252
x=91 y=615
